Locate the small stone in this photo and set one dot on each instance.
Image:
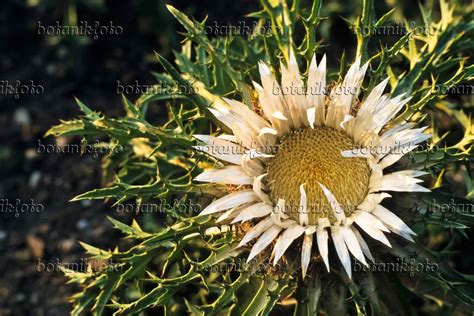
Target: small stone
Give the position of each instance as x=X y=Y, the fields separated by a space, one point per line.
x=36 y=245
x=35 y=177
x=86 y=203
x=66 y=245
x=82 y=224
x=31 y=154
x=20 y=297
x=21 y=117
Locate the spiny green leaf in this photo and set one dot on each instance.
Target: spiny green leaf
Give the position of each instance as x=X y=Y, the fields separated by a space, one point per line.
x=133 y=231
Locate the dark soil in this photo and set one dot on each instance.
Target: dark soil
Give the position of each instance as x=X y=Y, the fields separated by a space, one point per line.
x=62 y=70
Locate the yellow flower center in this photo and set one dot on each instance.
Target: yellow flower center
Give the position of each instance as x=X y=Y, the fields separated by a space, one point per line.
x=312 y=156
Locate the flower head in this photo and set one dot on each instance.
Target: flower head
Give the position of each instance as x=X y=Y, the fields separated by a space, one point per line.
x=312 y=165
